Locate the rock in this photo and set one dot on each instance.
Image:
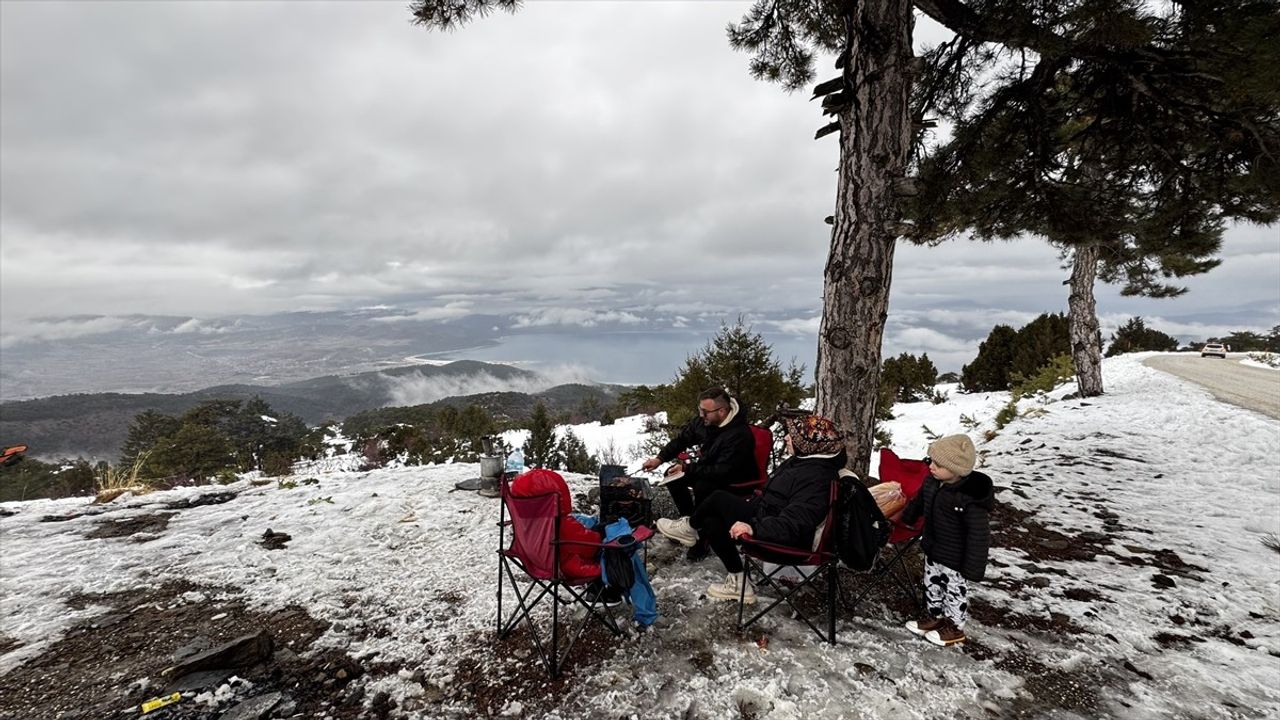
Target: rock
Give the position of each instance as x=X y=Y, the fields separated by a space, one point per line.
x=1093 y=536
x=864 y=668
x=274 y=540
x=1162 y=581
x=243 y=651
x=1055 y=544
x=1039 y=581
x=255 y=708
x=203 y=679
x=197 y=645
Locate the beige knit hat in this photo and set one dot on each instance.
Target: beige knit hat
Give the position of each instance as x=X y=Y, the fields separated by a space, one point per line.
x=955 y=453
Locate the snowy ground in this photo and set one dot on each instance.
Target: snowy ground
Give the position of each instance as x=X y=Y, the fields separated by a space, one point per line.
x=1128 y=579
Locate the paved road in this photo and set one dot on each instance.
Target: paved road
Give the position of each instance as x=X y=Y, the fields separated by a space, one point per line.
x=1249 y=387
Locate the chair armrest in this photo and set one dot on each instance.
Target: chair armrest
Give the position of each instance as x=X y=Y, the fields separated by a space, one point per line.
x=748 y=541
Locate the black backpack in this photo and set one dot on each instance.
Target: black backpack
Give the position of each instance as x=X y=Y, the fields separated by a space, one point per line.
x=861 y=529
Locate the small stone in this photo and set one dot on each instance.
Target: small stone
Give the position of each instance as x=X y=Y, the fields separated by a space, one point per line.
x=254 y=708
x=1162 y=581
x=1093 y=536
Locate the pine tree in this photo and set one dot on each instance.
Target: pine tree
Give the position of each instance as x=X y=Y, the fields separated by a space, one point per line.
x=146 y=430
x=1124 y=133
x=990 y=370
x=575 y=456
x=909 y=378
x=1135 y=336
x=540 y=449
x=739 y=360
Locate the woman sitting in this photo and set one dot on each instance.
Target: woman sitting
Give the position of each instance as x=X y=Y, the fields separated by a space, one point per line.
x=786 y=512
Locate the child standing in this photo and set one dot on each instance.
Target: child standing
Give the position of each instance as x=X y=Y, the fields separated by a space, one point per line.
x=955 y=502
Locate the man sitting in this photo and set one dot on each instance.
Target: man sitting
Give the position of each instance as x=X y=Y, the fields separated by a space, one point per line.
x=727 y=456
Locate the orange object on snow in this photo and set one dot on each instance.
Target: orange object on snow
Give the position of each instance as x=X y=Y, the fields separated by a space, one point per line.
x=12 y=454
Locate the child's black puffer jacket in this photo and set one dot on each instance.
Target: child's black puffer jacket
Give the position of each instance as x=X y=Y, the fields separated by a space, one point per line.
x=957 y=522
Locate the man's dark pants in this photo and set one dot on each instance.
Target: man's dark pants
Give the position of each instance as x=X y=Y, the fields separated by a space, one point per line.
x=713 y=518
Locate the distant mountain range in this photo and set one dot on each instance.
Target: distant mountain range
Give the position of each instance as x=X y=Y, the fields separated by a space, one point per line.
x=95 y=425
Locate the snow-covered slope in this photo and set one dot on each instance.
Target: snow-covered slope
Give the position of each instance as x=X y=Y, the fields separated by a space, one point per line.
x=1128 y=579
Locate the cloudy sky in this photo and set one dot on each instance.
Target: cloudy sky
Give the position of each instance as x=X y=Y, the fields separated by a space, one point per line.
x=578 y=163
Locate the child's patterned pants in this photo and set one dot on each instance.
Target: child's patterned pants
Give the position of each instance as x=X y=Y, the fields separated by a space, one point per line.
x=946 y=592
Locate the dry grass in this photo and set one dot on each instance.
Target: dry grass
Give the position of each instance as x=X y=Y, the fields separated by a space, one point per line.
x=1272 y=541
x=112 y=482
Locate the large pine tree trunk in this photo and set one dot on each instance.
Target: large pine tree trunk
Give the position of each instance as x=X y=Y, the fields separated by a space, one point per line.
x=1082 y=317
x=875 y=142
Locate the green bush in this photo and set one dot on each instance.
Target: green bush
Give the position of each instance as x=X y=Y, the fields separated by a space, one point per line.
x=740 y=361
x=1006 y=352
x=909 y=378
x=573 y=452
x=1057 y=371
x=29 y=479
x=540 y=449
x=1135 y=336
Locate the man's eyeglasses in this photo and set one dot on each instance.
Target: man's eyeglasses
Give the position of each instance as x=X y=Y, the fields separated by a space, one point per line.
x=705 y=413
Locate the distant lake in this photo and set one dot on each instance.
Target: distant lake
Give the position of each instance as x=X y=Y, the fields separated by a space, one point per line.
x=630 y=358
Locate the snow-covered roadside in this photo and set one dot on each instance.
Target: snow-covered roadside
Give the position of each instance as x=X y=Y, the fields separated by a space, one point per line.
x=404 y=566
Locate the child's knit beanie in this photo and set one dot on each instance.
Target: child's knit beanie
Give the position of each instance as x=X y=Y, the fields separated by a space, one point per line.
x=955 y=453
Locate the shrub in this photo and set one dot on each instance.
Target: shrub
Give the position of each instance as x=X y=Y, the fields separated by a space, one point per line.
x=540 y=449
x=573 y=453
x=1023 y=352
x=1135 y=336
x=740 y=361
x=909 y=378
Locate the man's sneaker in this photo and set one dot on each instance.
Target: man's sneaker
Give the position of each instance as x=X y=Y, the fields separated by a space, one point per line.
x=679 y=530
x=924 y=624
x=731 y=589
x=945 y=635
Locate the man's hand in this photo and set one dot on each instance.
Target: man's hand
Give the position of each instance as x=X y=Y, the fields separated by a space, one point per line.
x=739 y=529
x=651 y=463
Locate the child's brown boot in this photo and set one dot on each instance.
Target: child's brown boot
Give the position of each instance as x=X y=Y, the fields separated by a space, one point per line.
x=945 y=635
x=924 y=624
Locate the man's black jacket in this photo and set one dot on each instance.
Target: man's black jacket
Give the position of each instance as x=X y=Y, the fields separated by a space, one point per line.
x=728 y=453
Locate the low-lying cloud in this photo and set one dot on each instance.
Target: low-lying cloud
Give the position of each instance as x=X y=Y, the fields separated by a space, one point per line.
x=417 y=389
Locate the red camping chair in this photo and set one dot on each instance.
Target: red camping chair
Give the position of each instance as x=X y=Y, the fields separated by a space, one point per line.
x=764 y=452
x=820 y=562
x=910 y=474
x=534 y=550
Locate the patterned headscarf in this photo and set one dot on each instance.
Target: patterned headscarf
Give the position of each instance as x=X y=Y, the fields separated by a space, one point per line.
x=814 y=435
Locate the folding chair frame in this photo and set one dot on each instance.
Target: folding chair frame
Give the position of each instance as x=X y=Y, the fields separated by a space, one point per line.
x=553 y=658
x=826 y=563
x=755 y=566
x=896 y=568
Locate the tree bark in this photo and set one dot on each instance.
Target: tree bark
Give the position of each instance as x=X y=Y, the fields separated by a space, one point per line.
x=1082 y=318
x=875 y=144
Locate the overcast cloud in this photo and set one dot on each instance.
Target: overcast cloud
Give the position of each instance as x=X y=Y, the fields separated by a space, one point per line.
x=580 y=164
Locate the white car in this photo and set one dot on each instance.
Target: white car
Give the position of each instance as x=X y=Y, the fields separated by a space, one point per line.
x=1213 y=349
